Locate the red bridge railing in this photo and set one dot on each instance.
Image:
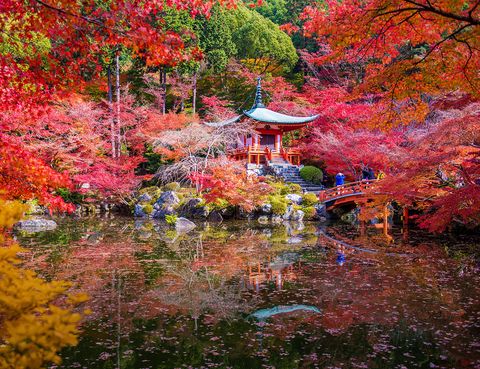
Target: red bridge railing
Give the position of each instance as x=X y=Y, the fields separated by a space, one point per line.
x=349 y=189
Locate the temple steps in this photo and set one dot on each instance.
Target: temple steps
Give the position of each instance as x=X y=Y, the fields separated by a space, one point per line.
x=291 y=174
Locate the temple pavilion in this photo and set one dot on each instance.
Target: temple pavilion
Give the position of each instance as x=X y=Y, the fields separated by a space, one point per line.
x=265 y=145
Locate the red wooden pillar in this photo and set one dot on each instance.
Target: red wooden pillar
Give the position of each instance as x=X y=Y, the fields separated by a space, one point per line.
x=405 y=217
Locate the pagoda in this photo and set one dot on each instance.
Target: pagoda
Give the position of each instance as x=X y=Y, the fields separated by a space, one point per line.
x=265 y=145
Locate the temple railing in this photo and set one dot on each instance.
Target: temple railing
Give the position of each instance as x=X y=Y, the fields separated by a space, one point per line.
x=256 y=154
x=349 y=189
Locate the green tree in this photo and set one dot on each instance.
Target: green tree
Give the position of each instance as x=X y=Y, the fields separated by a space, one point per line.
x=260 y=42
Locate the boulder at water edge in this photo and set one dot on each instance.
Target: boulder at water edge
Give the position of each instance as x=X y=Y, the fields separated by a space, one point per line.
x=168 y=198
x=184 y=225
x=296 y=199
x=266 y=209
x=297 y=215
x=138 y=211
x=194 y=209
x=215 y=217
x=36 y=225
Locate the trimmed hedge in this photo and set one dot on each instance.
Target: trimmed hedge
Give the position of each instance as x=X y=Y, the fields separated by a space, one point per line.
x=311 y=174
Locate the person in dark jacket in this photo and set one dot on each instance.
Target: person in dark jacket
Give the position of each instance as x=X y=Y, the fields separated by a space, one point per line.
x=365 y=173
x=371 y=173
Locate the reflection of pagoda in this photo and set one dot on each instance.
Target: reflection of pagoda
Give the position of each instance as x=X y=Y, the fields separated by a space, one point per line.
x=277 y=271
x=265 y=145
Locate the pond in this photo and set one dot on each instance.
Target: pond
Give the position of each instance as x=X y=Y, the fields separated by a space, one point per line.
x=246 y=295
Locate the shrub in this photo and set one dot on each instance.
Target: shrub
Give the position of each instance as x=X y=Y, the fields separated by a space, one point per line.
x=148 y=209
x=218 y=204
x=171 y=219
x=295 y=188
x=68 y=196
x=172 y=186
x=311 y=174
x=153 y=191
x=310 y=199
x=310 y=212
x=279 y=205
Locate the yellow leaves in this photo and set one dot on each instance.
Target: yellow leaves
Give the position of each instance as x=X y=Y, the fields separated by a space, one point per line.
x=34 y=329
x=10 y=213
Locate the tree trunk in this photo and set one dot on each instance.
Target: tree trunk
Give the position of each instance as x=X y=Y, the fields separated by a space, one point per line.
x=110 y=108
x=163 y=84
x=194 y=102
x=118 y=105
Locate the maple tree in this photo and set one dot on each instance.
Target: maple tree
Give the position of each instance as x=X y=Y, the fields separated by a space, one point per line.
x=390 y=66
x=230 y=182
x=439 y=172
x=405 y=47
x=78 y=32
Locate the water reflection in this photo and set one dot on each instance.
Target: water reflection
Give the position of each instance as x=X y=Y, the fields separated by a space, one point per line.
x=326 y=297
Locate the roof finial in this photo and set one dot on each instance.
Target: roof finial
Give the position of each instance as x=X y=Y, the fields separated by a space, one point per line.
x=258 y=95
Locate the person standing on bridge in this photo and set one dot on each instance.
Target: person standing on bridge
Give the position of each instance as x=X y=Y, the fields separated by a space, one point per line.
x=381 y=174
x=371 y=173
x=339 y=179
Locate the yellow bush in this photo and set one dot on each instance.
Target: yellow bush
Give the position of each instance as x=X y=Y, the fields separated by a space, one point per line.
x=309 y=199
x=279 y=204
x=34 y=330
x=310 y=212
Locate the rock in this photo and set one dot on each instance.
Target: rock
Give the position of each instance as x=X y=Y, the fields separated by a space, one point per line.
x=297 y=215
x=266 y=209
x=215 y=217
x=321 y=210
x=294 y=240
x=193 y=209
x=36 y=225
x=228 y=212
x=168 y=198
x=145 y=198
x=139 y=224
x=138 y=211
x=242 y=214
x=184 y=225
x=263 y=219
x=162 y=212
x=145 y=235
x=267 y=232
x=277 y=219
x=350 y=217
x=296 y=199
x=288 y=212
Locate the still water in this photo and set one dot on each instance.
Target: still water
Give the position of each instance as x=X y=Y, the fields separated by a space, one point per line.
x=246 y=295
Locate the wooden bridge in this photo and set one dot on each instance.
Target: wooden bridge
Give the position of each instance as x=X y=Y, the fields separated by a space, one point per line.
x=346 y=194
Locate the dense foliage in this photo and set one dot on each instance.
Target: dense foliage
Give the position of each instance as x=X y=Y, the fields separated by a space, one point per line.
x=99 y=98
x=108 y=95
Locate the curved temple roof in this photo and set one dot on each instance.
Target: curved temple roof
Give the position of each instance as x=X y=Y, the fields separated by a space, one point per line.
x=270 y=116
x=260 y=113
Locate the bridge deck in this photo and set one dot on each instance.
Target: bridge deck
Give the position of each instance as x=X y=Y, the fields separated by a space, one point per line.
x=354 y=189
